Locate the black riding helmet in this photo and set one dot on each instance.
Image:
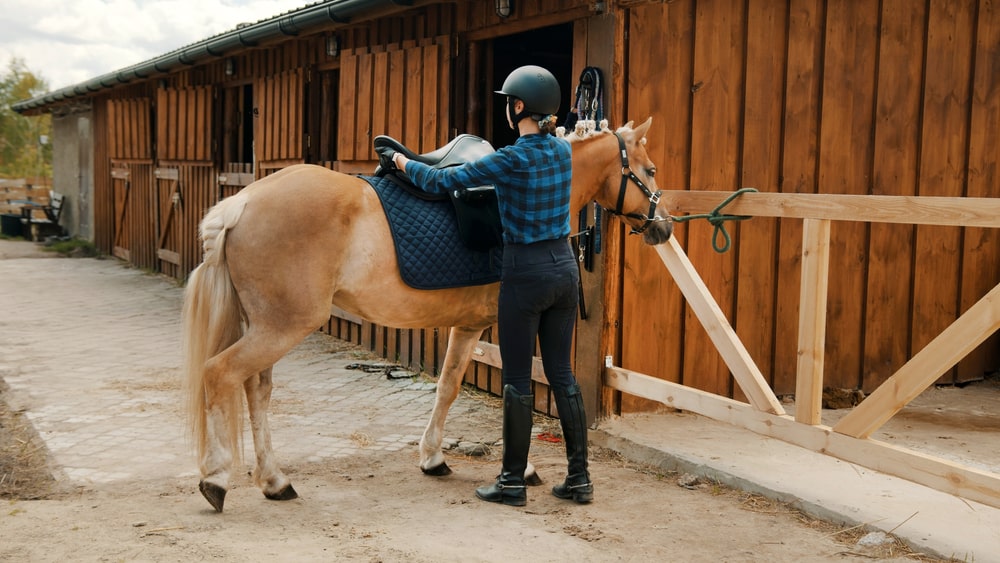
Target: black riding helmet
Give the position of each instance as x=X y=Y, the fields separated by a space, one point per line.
x=534 y=86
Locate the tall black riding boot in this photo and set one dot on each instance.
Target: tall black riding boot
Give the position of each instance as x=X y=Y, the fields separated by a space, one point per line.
x=577 y=486
x=510 y=487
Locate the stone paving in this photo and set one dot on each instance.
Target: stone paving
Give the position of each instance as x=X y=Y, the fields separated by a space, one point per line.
x=91 y=352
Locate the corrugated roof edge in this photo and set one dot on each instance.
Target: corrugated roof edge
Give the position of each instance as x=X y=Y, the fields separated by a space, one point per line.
x=290 y=23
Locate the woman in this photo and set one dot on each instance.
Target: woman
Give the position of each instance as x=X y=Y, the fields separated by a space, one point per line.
x=539 y=280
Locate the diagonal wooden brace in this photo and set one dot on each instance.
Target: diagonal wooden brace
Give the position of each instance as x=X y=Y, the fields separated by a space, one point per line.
x=745 y=371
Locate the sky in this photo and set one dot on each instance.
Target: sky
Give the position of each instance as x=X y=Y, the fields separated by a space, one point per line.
x=67 y=42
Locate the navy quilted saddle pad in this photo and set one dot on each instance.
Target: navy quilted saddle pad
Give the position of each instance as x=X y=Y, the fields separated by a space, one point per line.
x=430 y=252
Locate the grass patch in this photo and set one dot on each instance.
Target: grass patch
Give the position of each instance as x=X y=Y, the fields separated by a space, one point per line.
x=74 y=248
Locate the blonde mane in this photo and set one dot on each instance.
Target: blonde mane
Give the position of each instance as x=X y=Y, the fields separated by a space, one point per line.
x=588 y=128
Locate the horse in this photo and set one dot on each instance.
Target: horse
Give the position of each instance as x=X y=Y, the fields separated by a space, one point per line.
x=278 y=253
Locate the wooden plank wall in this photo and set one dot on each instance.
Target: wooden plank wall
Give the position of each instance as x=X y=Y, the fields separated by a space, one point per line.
x=807 y=96
x=402 y=91
x=278 y=120
x=184 y=118
x=129 y=129
x=151 y=209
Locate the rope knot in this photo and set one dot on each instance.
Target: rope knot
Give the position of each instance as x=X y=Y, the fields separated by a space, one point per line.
x=718 y=220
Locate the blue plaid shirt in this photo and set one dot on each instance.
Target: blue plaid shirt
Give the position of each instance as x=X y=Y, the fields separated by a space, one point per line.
x=532 y=178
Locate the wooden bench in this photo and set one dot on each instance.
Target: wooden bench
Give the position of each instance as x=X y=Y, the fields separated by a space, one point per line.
x=37 y=228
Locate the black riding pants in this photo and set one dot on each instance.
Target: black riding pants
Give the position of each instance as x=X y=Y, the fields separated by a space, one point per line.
x=538 y=299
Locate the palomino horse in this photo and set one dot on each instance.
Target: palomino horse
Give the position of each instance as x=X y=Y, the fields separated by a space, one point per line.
x=281 y=251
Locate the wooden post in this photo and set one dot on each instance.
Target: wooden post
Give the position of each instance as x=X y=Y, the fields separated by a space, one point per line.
x=812 y=320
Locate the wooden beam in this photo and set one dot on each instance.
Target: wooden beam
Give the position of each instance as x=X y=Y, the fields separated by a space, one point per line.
x=954 y=343
x=745 y=371
x=489 y=354
x=910 y=210
x=812 y=320
x=942 y=475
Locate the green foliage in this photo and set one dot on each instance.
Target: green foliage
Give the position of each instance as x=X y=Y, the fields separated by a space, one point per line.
x=25 y=150
x=74 y=247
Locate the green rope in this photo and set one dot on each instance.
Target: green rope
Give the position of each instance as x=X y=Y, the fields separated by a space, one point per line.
x=718 y=220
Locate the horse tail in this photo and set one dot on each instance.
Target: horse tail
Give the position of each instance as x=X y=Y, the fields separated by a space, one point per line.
x=212 y=318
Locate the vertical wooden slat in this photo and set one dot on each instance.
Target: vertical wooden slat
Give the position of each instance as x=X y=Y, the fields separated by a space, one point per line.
x=298 y=115
x=654 y=82
x=845 y=168
x=942 y=159
x=362 y=128
x=126 y=124
x=429 y=109
x=413 y=100
x=761 y=162
x=715 y=130
x=161 y=122
x=981 y=247
x=187 y=119
x=396 y=77
x=270 y=117
x=380 y=96
x=901 y=47
x=111 y=142
x=800 y=148
x=443 y=97
x=812 y=321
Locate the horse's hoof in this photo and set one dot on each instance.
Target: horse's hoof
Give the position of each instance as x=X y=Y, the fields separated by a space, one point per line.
x=532 y=480
x=214 y=494
x=438 y=471
x=287 y=493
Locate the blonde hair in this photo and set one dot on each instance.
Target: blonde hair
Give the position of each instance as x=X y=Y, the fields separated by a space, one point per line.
x=548 y=124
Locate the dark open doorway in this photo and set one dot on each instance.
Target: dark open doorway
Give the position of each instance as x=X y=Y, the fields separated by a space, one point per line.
x=549 y=47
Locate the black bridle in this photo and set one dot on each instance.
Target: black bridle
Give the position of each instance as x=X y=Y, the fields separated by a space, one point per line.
x=654 y=197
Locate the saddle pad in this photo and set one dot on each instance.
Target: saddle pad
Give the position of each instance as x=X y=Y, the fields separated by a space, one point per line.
x=428 y=248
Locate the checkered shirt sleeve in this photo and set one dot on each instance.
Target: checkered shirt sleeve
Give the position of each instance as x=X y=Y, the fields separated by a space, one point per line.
x=533 y=179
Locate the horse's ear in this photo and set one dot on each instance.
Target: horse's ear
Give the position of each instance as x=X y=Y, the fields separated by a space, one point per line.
x=628 y=125
x=640 y=131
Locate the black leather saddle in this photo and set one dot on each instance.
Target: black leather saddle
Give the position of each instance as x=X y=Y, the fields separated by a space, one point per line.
x=463 y=148
x=476 y=207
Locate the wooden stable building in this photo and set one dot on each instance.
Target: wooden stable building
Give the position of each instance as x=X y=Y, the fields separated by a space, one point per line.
x=870 y=130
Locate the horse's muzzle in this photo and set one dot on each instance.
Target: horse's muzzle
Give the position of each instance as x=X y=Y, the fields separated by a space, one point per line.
x=658 y=232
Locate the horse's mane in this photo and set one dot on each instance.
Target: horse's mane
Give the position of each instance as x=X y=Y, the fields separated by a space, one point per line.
x=590 y=129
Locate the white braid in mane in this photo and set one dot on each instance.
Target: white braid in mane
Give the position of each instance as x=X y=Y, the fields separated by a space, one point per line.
x=586 y=128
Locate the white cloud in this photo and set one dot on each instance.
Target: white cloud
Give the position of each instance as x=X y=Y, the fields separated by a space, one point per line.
x=67 y=43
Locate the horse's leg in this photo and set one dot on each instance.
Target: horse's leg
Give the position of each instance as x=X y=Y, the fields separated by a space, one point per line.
x=258 y=350
x=266 y=473
x=461 y=342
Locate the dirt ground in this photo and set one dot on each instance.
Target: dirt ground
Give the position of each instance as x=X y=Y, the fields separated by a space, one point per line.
x=376 y=506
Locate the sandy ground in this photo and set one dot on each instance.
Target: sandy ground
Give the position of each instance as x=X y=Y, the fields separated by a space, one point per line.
x=377 y=506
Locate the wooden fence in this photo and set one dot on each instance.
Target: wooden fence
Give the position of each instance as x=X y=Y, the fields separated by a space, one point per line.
x=849 y=439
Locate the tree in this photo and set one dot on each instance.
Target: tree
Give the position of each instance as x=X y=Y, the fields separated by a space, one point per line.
x=24 y=147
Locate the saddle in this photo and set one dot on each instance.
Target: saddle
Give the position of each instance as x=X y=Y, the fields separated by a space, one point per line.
x=477 y=210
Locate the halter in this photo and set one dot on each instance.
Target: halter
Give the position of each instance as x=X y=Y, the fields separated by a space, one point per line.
x=654 y=198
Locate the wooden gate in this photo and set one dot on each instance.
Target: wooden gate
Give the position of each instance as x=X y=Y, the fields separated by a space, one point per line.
x=168 y=199
x=135 y=213
x=129 y=147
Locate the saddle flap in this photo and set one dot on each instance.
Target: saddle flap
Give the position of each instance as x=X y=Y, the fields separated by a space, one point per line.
x=476 y=207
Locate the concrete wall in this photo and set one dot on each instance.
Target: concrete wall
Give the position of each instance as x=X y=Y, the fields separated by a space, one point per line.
x=73 y=171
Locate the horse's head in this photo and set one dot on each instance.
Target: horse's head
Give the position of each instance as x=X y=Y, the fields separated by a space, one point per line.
x=624 y=176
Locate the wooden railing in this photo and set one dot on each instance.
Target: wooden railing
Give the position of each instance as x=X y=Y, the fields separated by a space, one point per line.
x=849 y=439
